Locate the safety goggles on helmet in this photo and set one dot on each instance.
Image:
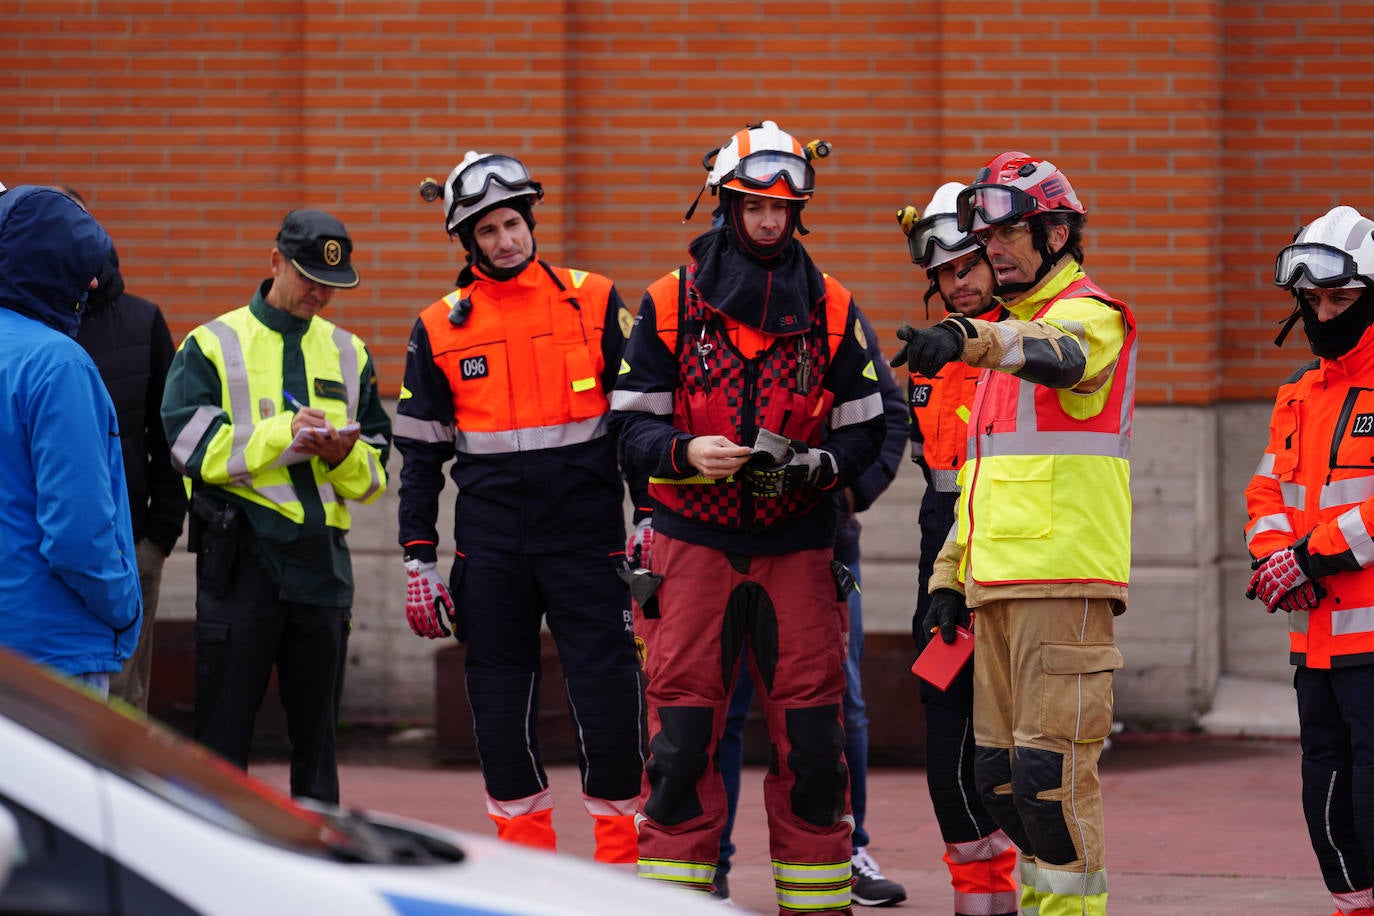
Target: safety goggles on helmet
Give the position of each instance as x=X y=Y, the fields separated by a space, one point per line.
x=472 y=182
x=761 y=170
x=1323 y=265
x=993 y=204
x=933 y=232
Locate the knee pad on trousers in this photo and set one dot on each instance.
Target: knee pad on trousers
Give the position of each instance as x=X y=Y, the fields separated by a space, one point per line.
x=1034 y=771
x=504 y=707
x=677 y=761
x=992 y=770
x=817 y=765
x=608 y=712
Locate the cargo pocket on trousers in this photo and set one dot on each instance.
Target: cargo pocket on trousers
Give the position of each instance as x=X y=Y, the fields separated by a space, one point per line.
x=1076 y=693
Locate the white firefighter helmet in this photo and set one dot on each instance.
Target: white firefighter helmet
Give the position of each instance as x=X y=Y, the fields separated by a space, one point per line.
x=483 y=179
x=933 y=236
x=763 y=159
x=1334 y=251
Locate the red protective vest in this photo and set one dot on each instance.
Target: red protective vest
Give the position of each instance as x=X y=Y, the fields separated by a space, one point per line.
x=1316 y=478
x=1071 y=521
x=734 y=380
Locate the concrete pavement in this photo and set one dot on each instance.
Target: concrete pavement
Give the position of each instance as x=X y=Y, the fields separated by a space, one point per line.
x=1196 y=824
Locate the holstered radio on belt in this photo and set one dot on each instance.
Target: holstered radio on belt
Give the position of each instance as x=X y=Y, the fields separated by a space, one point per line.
x=214 y=534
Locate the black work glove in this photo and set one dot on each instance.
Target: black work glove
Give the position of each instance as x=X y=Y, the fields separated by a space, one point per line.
x=947 y=610
x=926 y=350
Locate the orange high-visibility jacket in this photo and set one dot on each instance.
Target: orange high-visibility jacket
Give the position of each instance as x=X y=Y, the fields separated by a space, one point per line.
x=1314 y=491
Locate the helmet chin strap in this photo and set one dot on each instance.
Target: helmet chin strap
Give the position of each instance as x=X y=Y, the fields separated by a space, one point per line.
x=1040 y=238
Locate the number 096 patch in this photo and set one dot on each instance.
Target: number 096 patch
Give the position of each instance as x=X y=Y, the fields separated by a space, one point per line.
x=474 y=367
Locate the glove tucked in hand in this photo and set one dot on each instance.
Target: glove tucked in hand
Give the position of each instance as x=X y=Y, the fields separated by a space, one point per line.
x=947 y=611
x=926 y=350
x=1280 y=573
x=640 y=544
x=428 y=602
x=806 y=466
x=1302 y=598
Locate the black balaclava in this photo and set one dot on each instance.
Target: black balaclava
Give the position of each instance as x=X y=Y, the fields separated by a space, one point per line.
x=731 y=212
x=1336 y=337
x=476 y=258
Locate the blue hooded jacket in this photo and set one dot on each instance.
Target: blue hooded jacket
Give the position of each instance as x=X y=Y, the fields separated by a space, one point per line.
x=69 y=591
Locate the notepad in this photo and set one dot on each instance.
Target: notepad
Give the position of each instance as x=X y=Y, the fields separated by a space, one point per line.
x=294 y=454
x=941 y=661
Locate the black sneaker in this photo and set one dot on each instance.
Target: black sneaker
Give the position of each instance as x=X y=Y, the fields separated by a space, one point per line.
x=721 y=892
x=871 y=887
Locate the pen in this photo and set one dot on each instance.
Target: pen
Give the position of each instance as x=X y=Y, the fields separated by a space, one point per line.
x=291 y=402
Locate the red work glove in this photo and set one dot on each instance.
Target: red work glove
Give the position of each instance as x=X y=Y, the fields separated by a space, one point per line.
x=1280 y=573
x=640 y=545
x=1302 y=598
x=427 y=600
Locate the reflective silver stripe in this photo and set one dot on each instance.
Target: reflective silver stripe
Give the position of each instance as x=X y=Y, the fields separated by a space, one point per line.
x=420 y=430
x=1071 y=883
x=376 y=440
x=678 y=871
x=982 y=849
x=1355 y=900
x=518 y=807
x=944 y=481
x=240 y=406
x=1294 y=495
x=191 y=435
x=1351 y=620
x=1277 y=522
x=1356 y=536
x=1106 y=445
x=1346 y=492
x=374 y=470
x=325 y=489
x=348 y=365
x=852 y=412
x=1266 y=466
x=531 y=439
x=659 y=403
x=279 y=493
x=1297 y=623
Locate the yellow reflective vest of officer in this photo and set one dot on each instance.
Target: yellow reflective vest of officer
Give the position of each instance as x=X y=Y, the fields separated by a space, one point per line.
x=226 y=414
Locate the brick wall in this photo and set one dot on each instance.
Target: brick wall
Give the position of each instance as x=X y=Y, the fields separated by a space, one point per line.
x=1199 y=134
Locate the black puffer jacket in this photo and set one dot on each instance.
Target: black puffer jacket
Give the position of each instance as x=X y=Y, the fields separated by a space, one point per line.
x=127 y=337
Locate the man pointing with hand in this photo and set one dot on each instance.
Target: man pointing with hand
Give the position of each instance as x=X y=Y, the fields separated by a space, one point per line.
x=1048 y=563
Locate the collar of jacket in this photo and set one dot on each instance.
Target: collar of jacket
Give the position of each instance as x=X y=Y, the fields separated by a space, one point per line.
x=1354 y=362
x=516 y=287
x=778 y=301
x=1065 y=271
x=275 y=318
